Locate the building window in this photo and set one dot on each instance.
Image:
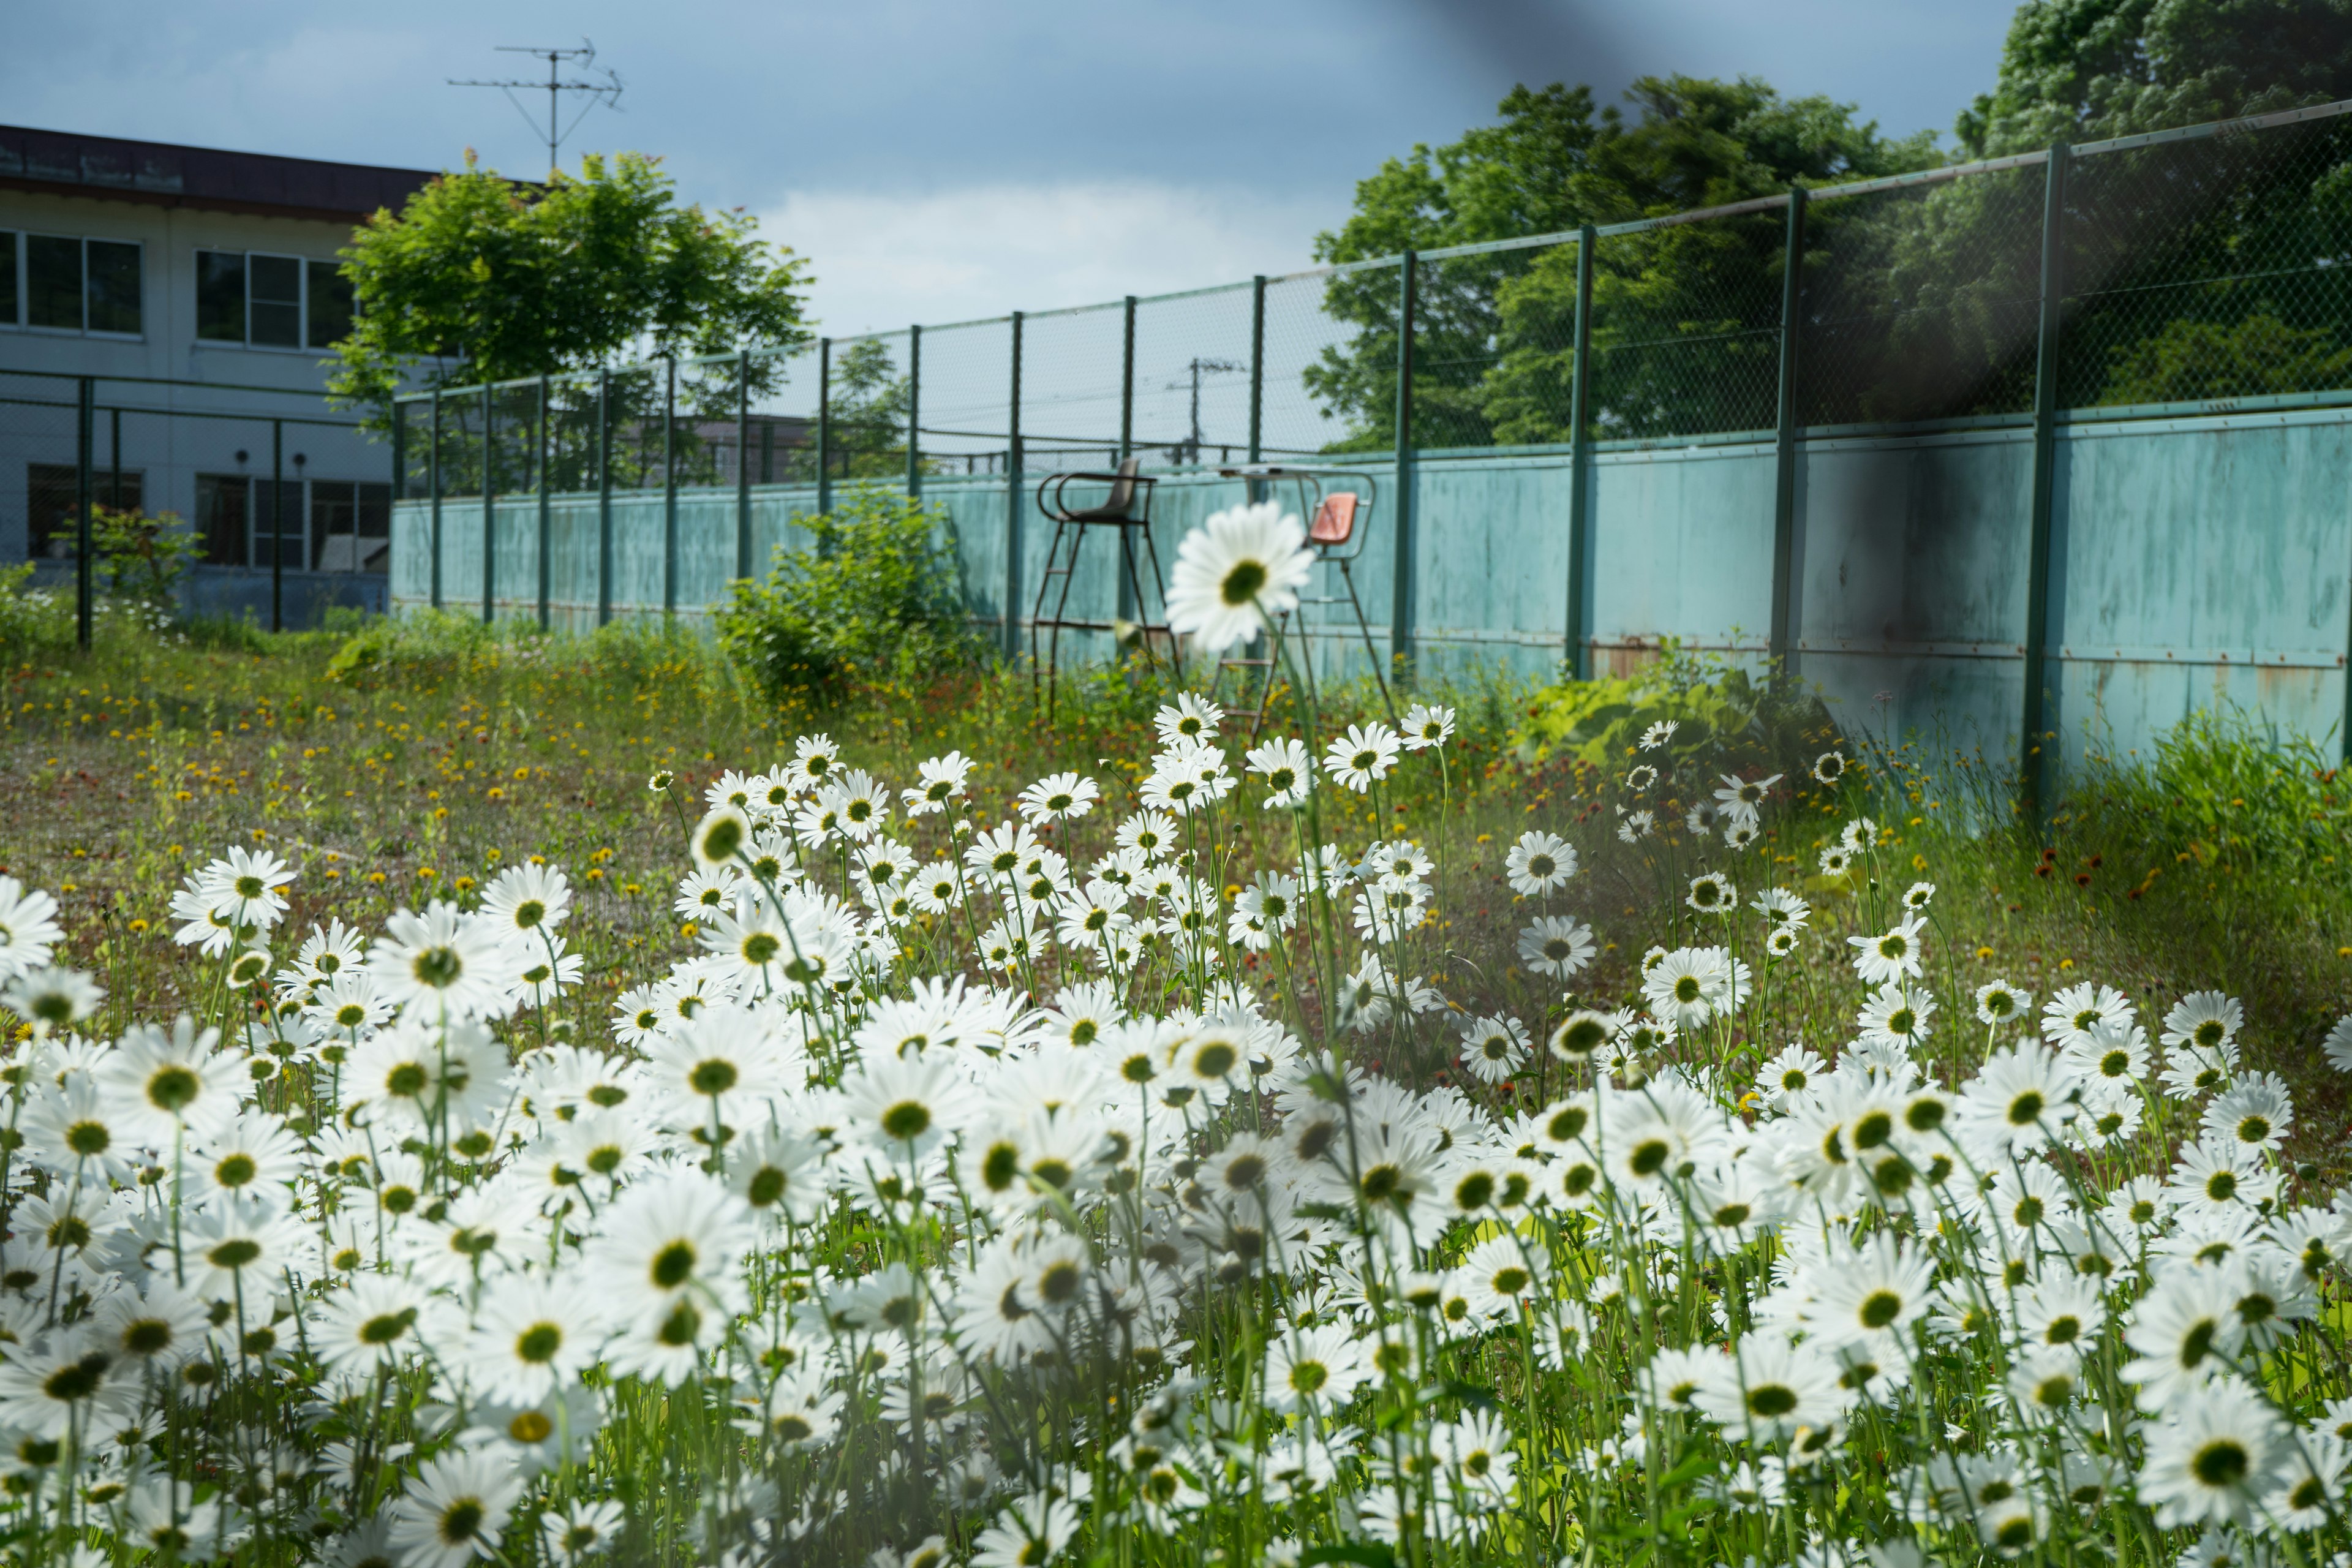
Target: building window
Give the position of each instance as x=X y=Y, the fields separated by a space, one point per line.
x=327 y=304
x=351 y=525
x=273 y=295
x=53 y=282
x=52 y=528
x=271 y=301
x=224 y=517
x=111 y=286
x=220 y=295
x=288 y=530
x=70 y=285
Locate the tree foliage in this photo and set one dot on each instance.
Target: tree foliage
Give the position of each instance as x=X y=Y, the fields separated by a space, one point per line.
x=481 y=278
x=872 y=594
x=2202 y=268
x=868 y=404
x=1493 y=332
x=2078 y=70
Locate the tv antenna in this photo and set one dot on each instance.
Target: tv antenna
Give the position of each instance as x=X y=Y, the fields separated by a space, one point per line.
x=600 y=86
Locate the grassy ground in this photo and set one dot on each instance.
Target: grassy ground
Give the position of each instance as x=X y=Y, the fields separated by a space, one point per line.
x=419 y=771
x=399 y=765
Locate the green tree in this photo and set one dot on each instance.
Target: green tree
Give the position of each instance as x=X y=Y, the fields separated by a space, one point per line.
x=867 y=406
x=2079 y=70
x=1682 y=314
x=2201 y=269
x=479 y=278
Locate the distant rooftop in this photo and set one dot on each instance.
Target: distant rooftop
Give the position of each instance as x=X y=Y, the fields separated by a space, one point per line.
x=65 y=163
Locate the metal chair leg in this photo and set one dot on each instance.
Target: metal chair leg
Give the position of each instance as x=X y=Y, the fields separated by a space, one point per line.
x=1159 y=581
x=1037 y=612
x=1061 y=613
x=1129 y=563
x=1365 y=626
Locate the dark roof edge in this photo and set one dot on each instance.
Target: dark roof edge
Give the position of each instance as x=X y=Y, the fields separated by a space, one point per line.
x=268 y=184
x=198 y=203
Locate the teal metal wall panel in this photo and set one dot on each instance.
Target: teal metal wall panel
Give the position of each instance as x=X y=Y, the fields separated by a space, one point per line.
x=1490 y=575
x=1681 y=548
x=1910 y=581
x=2202 y=561
x=2196 y=561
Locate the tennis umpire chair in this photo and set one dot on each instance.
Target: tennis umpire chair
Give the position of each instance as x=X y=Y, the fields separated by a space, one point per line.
x=1340 y=519
x=1127 y=509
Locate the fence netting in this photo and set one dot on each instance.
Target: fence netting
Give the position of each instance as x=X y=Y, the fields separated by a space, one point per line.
x=1922 y=301
x=1192 y=376
x=1687 y=327
x=2197 y=267
x=967 y=397
x=1070 y=387
x=1303 y=331
x=1461 y=343
x=2212 y=267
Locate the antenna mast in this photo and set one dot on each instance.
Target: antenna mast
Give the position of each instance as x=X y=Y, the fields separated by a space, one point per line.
x=603 y=87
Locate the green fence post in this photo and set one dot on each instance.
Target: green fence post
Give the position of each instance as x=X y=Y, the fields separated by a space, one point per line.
x=914 y=413
x=489 y=509
x=1125 y=595
x=277 y=525
x=1257 y=368
x=1127 y=387
x=603 y=498
x=669 y=488
x=432 y=482
x=1784 y=474
x=85 y=577
x=1012 y=506
x=824 y=424
x=1400 y=600
x=742 y=462
x=1580 y=466
x=546 y=506
x=399 y=469
x=114 y=460
x=2035 y=773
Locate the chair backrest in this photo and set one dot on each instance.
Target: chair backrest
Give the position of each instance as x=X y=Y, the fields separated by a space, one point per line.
x=1335 y=519
x=1122 y=490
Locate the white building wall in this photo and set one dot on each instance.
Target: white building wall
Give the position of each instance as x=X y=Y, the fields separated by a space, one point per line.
x=169 y=452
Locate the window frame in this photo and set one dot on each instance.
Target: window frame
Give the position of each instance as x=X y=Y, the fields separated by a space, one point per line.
x=302 y=266
x=22 y=262
x=14 y=261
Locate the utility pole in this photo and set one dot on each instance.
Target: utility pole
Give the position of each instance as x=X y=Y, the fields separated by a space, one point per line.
x=1198 y=368
x=608 y=91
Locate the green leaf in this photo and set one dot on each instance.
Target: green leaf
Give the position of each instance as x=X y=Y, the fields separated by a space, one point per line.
x=1368 y=1553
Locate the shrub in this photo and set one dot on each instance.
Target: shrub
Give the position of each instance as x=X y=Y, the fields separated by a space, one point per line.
x=1712 y=705
x=140 y=556
x=30 y=618
x=2229 y=796
x=425 y=640
x=872 y=594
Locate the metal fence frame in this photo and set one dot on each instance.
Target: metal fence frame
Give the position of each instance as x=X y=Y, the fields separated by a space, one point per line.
x=1788 y=432
x=87 y=470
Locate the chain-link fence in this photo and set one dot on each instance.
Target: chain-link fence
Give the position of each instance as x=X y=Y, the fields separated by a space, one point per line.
x=286 y=510
x=2194 y=266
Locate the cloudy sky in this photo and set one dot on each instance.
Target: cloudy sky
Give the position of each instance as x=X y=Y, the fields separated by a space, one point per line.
x=940 y=161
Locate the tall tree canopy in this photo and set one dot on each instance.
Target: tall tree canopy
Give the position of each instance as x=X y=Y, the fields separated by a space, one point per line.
x=1491 y=335
x=2080 y=71
x=2205 y=269
x=481 y=278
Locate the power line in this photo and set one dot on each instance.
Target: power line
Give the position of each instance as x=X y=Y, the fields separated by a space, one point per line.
x=605 y=87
